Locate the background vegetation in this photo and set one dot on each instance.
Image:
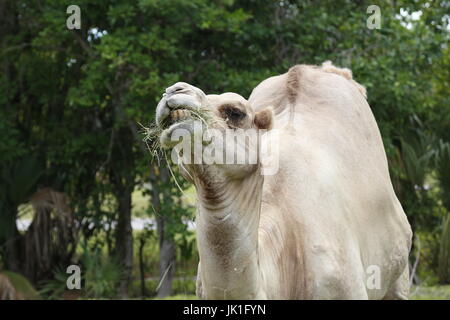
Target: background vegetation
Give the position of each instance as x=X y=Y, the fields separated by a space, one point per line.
x=73 y=164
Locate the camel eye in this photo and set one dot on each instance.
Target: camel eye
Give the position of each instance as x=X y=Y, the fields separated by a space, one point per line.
x=234 y=114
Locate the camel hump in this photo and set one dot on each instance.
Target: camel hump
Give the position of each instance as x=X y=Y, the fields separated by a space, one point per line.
x=328 y=66
x=299 y=72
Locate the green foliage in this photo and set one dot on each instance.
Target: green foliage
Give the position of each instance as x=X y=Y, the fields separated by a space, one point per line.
x=443 y=173
x=54 y=288
x=430 y=293
x=418 y=153
x=184 y=286
x=100 y=277
x=101 y=274
x=428 y=257
x=444 y=252
x=18 y=182
x=20 y=179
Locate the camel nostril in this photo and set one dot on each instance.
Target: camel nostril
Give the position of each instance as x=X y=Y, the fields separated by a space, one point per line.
x=174 y=90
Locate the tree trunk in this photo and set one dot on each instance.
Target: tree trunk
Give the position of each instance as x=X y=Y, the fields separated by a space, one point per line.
x=167 y=255
x=124 y=241
x=13 y=252
x=141 y=266
x=13 y=247
x=167 y=249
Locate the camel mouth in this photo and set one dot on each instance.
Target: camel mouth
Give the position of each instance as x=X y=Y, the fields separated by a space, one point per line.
x=178 y=119
x=176 y=116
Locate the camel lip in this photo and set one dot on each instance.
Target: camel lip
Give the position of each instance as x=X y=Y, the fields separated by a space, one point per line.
x=166 y=134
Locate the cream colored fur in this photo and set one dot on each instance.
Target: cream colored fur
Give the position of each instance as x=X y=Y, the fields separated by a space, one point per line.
x=317 y=228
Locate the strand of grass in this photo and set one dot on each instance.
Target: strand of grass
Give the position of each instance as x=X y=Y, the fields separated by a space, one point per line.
x=173 y=175
x=201 y=115
x=163 y=277
x=185 y=170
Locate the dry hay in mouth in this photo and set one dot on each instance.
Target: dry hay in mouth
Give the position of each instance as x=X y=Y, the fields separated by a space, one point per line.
x=153 y=132
x=151 y=140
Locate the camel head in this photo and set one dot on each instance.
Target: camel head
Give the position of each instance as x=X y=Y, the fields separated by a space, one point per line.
x=215 y=133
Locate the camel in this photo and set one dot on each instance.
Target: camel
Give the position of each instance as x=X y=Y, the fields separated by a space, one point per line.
x=327 y=224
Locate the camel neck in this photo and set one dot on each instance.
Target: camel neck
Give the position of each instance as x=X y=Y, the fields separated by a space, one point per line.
x=227 y=236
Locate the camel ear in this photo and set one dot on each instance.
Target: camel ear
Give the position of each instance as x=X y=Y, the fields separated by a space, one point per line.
x=264 y=119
